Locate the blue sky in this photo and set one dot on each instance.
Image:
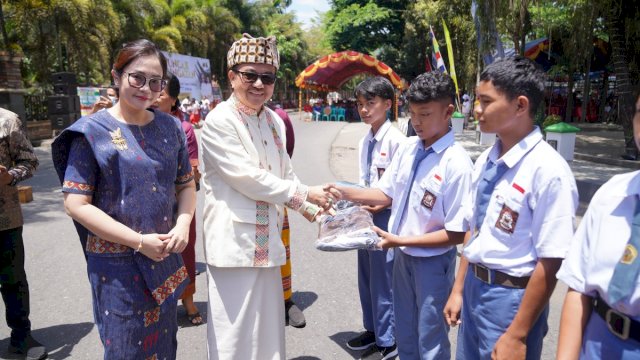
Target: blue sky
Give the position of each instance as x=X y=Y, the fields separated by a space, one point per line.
x=306 y=10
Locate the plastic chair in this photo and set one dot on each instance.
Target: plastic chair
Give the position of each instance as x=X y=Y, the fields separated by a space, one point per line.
x=316 y=116
x=341 y=114
x=334 y=114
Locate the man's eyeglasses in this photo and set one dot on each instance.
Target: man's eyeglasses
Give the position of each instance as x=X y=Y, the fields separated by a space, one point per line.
x=138 y=80
x=251 y=77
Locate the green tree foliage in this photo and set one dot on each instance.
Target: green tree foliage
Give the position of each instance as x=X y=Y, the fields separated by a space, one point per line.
x=292 y=48
x=316 y=38
x=417 y=44
x=83 y=36
x=359 y=27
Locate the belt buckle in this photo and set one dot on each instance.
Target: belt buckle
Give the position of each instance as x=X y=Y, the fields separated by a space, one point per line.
x=485 y=270
x=612 y=319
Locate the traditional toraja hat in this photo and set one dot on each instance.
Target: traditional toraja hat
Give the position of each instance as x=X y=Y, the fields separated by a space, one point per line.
x=253 y=50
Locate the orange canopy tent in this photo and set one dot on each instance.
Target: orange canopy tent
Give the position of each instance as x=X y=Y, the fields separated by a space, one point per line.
x=330 y=72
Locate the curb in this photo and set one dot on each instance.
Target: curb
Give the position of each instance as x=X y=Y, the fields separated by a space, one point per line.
x=608 y=161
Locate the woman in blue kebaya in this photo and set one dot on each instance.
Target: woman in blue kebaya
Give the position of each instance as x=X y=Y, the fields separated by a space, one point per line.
x=126 y=178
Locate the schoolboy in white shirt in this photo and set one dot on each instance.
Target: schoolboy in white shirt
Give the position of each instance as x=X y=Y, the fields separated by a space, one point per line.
x=524 y=200
x=374 y=98
x=601 y=313
x=425 y=184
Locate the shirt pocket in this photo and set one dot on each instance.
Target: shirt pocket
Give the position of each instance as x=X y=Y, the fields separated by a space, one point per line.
x=378 y=167
x=505 y=219
x=427 y=195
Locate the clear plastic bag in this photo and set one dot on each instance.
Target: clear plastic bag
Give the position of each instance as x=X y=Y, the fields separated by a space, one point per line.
x=349 y=229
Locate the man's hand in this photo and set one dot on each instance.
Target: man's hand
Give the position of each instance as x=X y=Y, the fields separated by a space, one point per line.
x=509 y=347
x=319 y=196
x=5 y=176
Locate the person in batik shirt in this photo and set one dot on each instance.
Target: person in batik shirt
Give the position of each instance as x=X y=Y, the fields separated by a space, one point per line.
x=17 y=163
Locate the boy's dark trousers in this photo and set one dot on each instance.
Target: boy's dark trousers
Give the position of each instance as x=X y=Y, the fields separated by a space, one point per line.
x=13 y=284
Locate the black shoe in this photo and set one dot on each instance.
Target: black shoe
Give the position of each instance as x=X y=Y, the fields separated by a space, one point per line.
x=380 y=353
x=29 y=347
x=293 y=315
x=362 y=341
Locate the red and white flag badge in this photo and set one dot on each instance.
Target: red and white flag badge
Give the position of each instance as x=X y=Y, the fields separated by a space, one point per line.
x=519 y=188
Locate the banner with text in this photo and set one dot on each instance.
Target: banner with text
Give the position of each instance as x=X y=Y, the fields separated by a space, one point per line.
x=194 y=74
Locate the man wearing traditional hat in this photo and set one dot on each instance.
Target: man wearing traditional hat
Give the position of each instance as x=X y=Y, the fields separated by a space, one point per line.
x=248 y=180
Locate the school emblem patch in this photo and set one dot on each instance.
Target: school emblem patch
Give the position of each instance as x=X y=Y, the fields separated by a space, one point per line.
x=118 y=140
x=507 y=219
x=629 y=255
x=428 y=200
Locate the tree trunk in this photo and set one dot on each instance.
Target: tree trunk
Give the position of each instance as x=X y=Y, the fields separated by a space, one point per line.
x=586 y=91
x=5 y=37
x=604 y=92
x=623 y=81
x=570 y=85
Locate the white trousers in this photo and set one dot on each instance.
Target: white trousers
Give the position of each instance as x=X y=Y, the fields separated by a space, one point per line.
x=245 y=319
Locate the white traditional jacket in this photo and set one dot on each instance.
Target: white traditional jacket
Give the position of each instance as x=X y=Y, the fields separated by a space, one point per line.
x=247 y=180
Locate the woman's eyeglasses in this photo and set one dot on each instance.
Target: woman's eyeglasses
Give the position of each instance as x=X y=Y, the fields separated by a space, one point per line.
x=138 y=80
x=251 y=77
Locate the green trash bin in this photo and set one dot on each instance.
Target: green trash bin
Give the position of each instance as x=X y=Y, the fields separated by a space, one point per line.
x=457 y=122
x=562 y=137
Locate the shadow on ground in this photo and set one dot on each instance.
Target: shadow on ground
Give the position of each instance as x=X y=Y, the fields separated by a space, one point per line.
x=183 y=320
x=341 y=339
x=304 y=299
x=59 y=340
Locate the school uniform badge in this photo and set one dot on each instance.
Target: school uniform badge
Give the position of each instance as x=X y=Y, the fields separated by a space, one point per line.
x=428 y=200
x=507 y=219
x=629 y=255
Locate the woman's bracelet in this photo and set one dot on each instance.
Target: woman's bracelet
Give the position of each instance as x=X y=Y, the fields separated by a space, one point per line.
x=139 y=245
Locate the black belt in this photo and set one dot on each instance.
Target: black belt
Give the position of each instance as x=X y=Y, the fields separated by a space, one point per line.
x=618 y=323
x=498 y=277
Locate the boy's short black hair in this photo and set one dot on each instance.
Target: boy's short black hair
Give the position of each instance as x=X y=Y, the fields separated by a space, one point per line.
x=431 y=86
x=517 y=76
x=375 y=86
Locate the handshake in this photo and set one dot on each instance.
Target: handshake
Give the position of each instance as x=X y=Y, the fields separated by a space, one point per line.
x=320 y=200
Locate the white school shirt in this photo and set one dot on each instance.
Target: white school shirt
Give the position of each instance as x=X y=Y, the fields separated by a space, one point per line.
x=600 y=242
x=442 y=181
x=388 y=140
x=531 y=212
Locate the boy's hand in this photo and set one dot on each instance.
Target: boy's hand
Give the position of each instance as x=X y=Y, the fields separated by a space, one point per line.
x=387 y=239
x=374 y=209
x=509 y=347
x=452 y=309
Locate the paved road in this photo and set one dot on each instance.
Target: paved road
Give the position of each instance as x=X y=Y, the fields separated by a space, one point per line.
x=324 y=284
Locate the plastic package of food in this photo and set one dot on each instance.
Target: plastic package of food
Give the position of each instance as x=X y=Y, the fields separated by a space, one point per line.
x=349 y=229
